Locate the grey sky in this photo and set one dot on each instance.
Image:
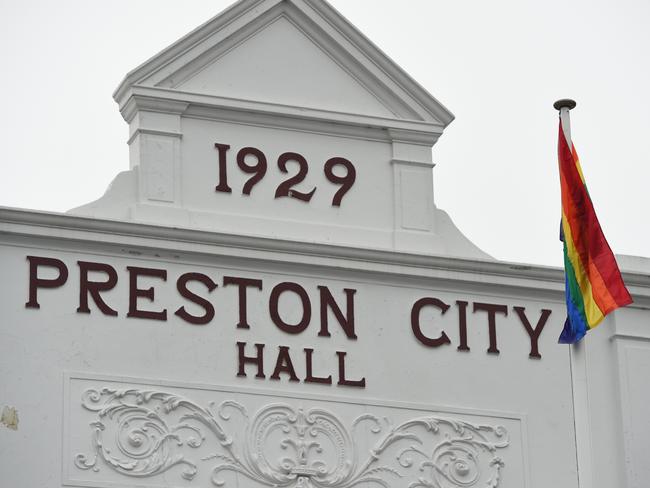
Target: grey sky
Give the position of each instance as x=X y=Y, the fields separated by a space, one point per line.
x=497 y=65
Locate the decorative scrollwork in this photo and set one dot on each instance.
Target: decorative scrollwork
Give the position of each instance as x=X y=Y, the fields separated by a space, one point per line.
x=143 y=433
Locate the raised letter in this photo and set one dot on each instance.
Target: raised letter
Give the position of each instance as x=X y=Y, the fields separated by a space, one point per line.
x=284 y=365
x=533 y=333
x=242 y=283
x=342 y=379
x=258 y=170
x=257 y=360
x=310 y=378
x=35 y=282
x=135 y=292
x=306 y=308
x=95 y=287
x=462 y=325
x=181 y=286
x=223 y=170
x=415 y=322
x=346 y=181
x=347 y=322
x=492 y=310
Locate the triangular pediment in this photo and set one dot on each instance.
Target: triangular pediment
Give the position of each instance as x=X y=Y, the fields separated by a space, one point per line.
x=281 y=64
x=296 y=53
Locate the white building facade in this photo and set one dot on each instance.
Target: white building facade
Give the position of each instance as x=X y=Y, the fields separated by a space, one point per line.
x=269 y=297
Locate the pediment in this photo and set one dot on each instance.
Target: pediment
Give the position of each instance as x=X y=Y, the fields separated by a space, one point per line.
x=297 y=53
x=281 y=64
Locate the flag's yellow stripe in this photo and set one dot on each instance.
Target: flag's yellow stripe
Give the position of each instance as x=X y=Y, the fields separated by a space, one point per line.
x=592 y=311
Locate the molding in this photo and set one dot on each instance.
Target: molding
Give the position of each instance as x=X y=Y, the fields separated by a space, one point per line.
x=411 y=136
x=408 y=162
x=71 y=375
x=153 y=132
x=86 y=229
x=629 y=337
x=296 y=122
x=371 y=66
x=165 y=100
x=164 y=105
x=508 y=276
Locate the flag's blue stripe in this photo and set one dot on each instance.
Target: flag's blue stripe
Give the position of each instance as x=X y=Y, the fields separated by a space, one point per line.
x=575 y=326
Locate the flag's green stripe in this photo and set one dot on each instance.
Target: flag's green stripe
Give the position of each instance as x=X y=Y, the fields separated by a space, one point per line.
x=574 y=289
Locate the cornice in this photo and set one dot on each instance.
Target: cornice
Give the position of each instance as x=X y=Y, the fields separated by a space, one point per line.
x=210 y=107
x=92 y=227
x=153 y=132
x=138 y=102
x=408 y=162
x=412 y=136
x=69 y=228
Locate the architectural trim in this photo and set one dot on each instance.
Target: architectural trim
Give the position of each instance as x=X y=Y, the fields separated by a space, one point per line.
x=382 y=76
x=426 y=164
x=68 y=227
x=153 y=132
x=534 y=278
x=157 y=99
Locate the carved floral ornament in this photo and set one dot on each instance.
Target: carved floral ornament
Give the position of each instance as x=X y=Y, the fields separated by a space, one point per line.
x=143 y=433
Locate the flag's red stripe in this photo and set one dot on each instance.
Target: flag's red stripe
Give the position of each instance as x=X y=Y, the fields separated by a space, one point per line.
x=588 y=236
x=598 y=289
x=589 y=239
x=594 y=252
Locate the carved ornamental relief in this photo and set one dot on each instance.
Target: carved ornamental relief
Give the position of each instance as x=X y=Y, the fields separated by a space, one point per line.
x=144 y=433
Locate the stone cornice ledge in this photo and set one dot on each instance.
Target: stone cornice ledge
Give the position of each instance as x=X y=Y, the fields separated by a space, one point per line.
x=203 y=106
x=81 y=229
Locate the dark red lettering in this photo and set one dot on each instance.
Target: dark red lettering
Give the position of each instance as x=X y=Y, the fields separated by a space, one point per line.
x=181 y=286
x=462 y=325
x=491 y=310
x=274 y=300
x=223 y=169
x=148 y=293
x=346 y=322
x=285 y=189
x=256 y=360
x=310 y=378
x=243 y=284
x=284 y=365
x=346 y=181
x=343 y=381
x=35 y=282
x=533 y=334
x=258 y=170
x=415 y=322
x=94 y=288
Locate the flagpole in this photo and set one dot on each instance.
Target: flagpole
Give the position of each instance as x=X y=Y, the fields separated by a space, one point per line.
x=578 y=357
x=564 y=106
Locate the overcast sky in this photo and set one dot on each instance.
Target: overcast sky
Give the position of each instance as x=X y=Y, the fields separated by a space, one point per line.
x=497 y=65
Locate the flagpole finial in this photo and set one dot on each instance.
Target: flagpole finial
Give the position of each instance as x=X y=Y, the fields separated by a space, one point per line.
x=565 y=103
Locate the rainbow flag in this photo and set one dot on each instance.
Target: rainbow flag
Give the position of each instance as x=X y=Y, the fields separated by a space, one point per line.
x=594 y=286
